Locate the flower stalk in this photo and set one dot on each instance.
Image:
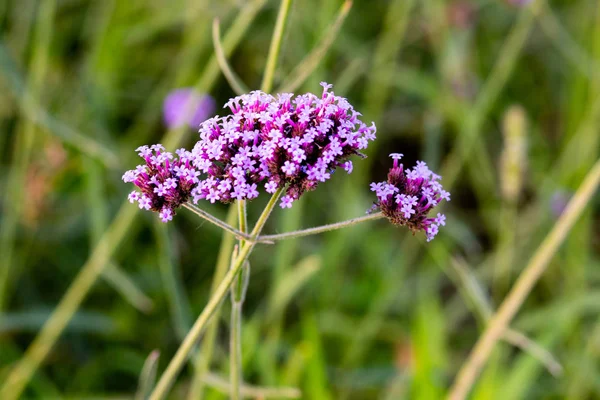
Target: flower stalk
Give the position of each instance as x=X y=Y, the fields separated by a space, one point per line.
x=175 y=365
x=221 y=224
x=238 y=291
x=319 y=229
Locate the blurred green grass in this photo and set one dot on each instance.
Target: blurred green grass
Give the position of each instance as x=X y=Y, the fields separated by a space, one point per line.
x=378 y=314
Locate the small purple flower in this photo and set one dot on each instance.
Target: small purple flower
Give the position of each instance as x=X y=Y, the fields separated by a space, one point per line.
x=409 y=195
x=289 y=141
x=271 y=187
x=166 y=214
x=286 y=202
x=288 y=168
x=187 y=107
x=165 y=182
x=348 y=166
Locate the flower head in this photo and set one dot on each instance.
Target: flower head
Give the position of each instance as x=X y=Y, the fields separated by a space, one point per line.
x=187 y=107
x=164 y=181
x=409 y=195
x=284 y=141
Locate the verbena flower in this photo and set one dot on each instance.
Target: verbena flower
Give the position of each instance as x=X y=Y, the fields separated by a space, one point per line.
x=277 y=141
x=558 y=202
x=165 y=181
x=187 y=107
x=408 y=196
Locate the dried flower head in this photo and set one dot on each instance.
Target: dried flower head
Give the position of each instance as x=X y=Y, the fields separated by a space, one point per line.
x=277 y=141
x=165 y=181
x=409 y=195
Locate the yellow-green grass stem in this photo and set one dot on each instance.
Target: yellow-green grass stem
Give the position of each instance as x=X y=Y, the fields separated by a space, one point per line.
x=237 y=298
x=527 y=279
x=275 y=47
x=204 y=357
x=177 y=362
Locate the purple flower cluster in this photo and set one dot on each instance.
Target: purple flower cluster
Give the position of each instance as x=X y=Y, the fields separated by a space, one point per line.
x=165 y=181
x=277 y=142
x=408 y=196
x=284 y=140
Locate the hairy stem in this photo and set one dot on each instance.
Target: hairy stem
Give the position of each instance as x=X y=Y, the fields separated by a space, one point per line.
x=177 y=362
x=216 y=221
x=319 y=229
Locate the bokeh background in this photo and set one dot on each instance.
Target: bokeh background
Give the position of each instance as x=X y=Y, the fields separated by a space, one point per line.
x=500 y=97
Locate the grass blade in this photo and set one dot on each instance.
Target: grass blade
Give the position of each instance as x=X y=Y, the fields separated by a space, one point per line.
x=307 y=66
x=148 y=376
x=234 y=81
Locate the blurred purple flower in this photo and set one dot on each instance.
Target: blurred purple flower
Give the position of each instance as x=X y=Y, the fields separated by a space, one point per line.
x=558 y=202
x=518 y=3
x=199 y=108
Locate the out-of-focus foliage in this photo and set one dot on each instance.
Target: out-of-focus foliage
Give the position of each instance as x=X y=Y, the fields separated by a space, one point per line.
x=373 y=311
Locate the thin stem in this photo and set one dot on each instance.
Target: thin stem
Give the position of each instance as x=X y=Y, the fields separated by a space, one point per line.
x=235 y=349
x=267 y=83
x=242 y=220
x=148 y=376
x=316 y=56
x=123 y=284
x=177 y=362
x=235 y=334
x=234 y=81
x=216 y=221
x=204 y=356
x=510 y=306
x=471 y=289
x=319 y=229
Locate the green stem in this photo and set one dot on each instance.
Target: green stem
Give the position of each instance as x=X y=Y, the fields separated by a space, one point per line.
x=235 y=334
x=177 y=362
x=307 y=66
x=319 y=229
x=216 y=221
x=267 y=83
x=235 y=348
x=234 y=81
x=204 y=356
